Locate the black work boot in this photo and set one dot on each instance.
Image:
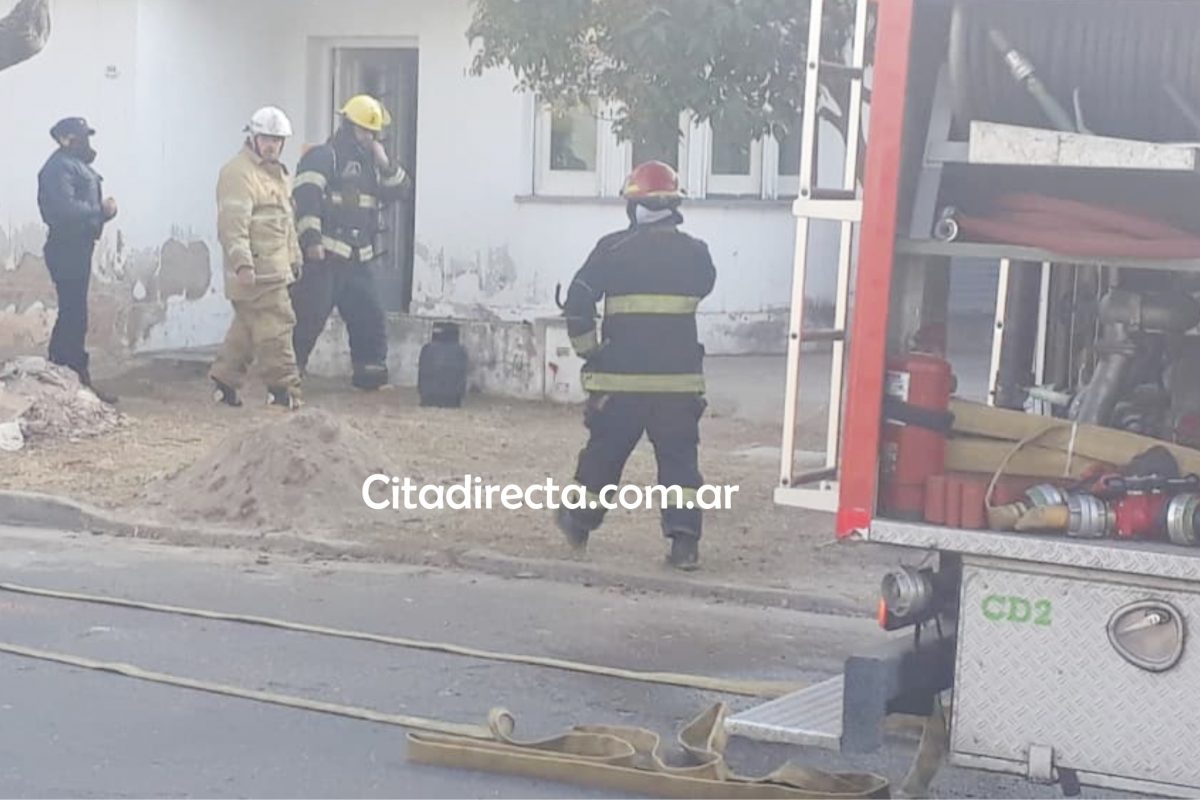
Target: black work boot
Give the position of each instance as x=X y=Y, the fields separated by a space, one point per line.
x=576 y=534
x=226 y=394
x=685 y=552
x=283 y=398
x=369 y=377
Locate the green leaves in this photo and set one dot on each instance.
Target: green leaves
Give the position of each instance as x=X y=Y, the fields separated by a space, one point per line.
x=741 y=60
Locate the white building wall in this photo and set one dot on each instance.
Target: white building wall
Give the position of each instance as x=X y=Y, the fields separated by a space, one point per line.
x=187 y=74
x=483 y=254
x=205 y=66
x=84 y=70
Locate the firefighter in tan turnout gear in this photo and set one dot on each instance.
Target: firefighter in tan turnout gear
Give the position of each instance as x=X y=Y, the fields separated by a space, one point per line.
x=644 y=374
x=257 y=230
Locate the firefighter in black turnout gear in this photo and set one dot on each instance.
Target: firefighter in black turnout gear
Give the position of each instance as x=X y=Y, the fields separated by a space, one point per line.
x=339 y=190
x=644 y=374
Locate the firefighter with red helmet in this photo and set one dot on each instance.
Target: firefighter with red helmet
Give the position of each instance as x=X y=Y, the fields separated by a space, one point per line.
x=643 y=369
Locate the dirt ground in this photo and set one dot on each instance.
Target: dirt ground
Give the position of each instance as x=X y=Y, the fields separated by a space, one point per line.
x=176 y=438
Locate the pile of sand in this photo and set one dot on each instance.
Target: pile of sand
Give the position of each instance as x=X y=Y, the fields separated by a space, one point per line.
x=304 y=471
x=42 y=402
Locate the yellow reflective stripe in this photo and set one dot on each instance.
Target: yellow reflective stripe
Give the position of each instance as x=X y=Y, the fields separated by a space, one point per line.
x=337 y=248
x=308 y=224
x=364 y=200
x=271 y=215
x=651 y=304
x=311 y=179
x=650 y=384
x=586 y=342
x=678 y=497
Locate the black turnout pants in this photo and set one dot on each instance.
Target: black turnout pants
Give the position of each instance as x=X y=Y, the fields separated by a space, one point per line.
x=616 y=423
x=350 y=288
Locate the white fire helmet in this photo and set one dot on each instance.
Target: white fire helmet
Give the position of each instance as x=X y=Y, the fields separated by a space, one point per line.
x=269 y=121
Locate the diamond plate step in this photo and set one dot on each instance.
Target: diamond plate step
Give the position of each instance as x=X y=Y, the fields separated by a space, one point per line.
x=811 y=717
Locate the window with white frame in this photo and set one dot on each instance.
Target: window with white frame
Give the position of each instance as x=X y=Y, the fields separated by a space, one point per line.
x=569 y=145
x=667 y=145
x=786 y=160
x=578 y=155
x=735 y=162
x=672 y=147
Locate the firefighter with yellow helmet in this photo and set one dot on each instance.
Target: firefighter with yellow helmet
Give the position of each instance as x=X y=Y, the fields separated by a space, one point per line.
x=340 y=189
x=643 y=369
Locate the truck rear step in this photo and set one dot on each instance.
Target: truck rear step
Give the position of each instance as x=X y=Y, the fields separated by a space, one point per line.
x=811 y=717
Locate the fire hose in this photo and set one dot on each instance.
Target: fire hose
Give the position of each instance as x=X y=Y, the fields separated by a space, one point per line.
x=626 y=759
x=768 y=689
x=1072 y=228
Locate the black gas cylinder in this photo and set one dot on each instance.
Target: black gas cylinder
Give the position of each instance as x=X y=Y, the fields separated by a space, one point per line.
x=442 y=369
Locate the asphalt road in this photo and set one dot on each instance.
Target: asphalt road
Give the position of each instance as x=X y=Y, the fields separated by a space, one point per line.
x=70 y=732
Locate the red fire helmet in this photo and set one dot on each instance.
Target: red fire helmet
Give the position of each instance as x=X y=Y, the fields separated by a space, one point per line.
x=652 y=180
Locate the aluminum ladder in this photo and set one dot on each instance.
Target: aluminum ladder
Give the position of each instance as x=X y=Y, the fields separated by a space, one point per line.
x=813 y=716
x=818 y=489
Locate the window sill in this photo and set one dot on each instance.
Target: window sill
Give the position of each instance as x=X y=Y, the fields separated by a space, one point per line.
x=695 y=202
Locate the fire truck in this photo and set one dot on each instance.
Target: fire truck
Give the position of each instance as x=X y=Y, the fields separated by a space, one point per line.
x=1051 y=582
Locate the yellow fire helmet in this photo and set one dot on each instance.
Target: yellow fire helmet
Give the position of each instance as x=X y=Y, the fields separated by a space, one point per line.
x=366 y=112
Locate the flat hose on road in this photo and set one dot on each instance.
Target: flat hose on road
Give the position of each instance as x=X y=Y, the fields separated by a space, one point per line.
x=626 y=759
x=272 y=698
x=616 y=758
x=1121 y=56
x=766 y=689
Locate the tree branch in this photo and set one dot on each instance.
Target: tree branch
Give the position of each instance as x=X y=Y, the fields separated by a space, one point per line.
x=24 y=32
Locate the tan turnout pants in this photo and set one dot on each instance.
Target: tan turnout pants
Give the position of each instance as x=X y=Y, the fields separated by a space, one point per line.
x=261 y=332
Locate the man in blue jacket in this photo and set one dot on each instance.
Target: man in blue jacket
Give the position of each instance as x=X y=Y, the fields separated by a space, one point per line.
x=75 y=210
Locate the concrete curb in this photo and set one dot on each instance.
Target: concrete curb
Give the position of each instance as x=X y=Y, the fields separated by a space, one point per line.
x=585 y=574
x=51 y=512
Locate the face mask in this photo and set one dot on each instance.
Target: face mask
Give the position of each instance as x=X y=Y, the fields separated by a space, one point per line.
x=646 y=216
x=82 y=149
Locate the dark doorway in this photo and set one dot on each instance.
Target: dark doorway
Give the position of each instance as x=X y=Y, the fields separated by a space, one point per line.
x=391 y=76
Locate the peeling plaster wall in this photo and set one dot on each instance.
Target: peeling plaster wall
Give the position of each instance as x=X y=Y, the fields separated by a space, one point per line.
x=150 y=274
x=204 y=68
x=481 y=253
x=68 y=78
x=169 y=84
x=505 y=358
x=751 y=246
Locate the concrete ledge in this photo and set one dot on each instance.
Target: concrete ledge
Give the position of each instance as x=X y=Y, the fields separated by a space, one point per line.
x=50 y=512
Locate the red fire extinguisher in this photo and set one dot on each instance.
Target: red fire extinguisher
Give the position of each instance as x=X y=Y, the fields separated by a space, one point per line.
x=917 y=421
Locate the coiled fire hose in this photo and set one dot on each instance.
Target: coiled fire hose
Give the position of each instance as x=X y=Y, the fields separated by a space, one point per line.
x=1072 y=228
